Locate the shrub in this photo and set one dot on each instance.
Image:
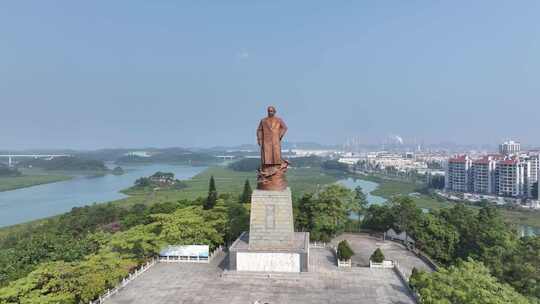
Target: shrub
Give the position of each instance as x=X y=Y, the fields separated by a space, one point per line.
x=377 y=256
x=344 y=251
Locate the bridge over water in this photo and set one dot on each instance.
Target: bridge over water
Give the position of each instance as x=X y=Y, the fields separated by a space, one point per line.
x=10 y=157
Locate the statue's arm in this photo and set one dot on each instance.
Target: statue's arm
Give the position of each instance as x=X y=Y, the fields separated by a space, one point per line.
x=260 y=133
x=283 y=129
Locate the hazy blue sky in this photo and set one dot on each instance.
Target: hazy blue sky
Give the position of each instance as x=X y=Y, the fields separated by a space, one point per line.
x=91 y=74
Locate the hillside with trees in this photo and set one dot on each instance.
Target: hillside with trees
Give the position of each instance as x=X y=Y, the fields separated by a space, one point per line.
x=171 y=156
x=77 y=256
x=459 y=233
x=161 y=180
x=65 y=163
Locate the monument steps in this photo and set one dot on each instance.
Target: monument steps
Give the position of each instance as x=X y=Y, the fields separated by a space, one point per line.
x=267 y=275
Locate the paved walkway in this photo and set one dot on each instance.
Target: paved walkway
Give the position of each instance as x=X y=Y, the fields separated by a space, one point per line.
x=364 y=245
x=207 y=283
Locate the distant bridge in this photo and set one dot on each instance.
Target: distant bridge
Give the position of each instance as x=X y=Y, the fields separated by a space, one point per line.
x=49 y=156
x=224 y=157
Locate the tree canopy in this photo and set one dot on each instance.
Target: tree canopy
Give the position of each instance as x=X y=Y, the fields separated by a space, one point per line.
x=325 y=213
x=468 y=282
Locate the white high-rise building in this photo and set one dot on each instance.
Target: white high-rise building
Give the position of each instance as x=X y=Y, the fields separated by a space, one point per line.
x=532 y=161
x=511 y=177
x=458 y=174
x=483 y=175
x=509 y=147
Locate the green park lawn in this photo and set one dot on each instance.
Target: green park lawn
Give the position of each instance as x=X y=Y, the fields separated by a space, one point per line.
x=301 y=180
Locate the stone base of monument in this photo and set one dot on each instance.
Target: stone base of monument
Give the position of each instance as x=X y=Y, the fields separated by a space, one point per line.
x=293 y=259
x=271 y=244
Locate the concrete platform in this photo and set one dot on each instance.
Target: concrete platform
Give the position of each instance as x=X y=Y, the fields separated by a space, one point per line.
x=206 y=283
x=364 y=245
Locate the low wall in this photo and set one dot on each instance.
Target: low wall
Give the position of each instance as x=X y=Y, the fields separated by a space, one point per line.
x=384 y=264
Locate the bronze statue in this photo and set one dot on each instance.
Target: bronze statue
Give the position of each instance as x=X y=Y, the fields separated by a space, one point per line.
x=271 y=174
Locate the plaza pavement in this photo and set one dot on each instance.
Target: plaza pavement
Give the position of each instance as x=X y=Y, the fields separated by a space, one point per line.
x=364 y=245
x=208 y=283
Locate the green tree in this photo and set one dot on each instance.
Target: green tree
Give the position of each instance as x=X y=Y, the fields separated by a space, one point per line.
x=330 y=211
x=378 y=217
x=464 y=220
x=344 y=251
x=468 y=282
x=139 y=242
x=63 y=282
x=377 y=256
x=304 y=212
x=494 y=242
x=437 y=238
x=245 y=197
x=238 y=219
x=406 y=214
x=136 y=216
x=188 y=226
x=522 y=268
x=212 y=197
x=360 y=198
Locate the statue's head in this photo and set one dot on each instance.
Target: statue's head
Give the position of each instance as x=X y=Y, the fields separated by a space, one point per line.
x=271 y=111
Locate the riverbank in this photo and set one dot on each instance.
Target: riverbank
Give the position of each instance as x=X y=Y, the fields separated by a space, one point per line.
x=42 y=202
x=25 y=181
x=34 y=177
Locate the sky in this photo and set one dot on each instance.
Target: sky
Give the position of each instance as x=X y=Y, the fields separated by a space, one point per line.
x=95 y=74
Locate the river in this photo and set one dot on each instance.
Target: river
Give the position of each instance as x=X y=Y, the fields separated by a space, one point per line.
x=26 y=204
x=369 y=186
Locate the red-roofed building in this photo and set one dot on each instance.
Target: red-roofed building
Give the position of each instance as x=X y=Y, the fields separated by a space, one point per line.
x=512 y=175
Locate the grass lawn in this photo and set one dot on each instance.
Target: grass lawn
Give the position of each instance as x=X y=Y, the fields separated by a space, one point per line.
x=301 y=180
x=23 y=181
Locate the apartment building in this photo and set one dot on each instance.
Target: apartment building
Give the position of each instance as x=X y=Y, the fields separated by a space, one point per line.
x=511 y=177
x=532 y=161
x=509 y=148
x=458 y=174
x=483 y=175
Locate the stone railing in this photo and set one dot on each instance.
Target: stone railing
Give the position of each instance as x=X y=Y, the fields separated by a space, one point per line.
x=424 y=257
x=346 y=263
x=384 y=264
x=405 y=280
x=318 y=245
x=419 y=253
x=125 y=281
x=101 y=299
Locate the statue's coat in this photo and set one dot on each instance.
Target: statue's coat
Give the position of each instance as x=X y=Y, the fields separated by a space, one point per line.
x=269 y=135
